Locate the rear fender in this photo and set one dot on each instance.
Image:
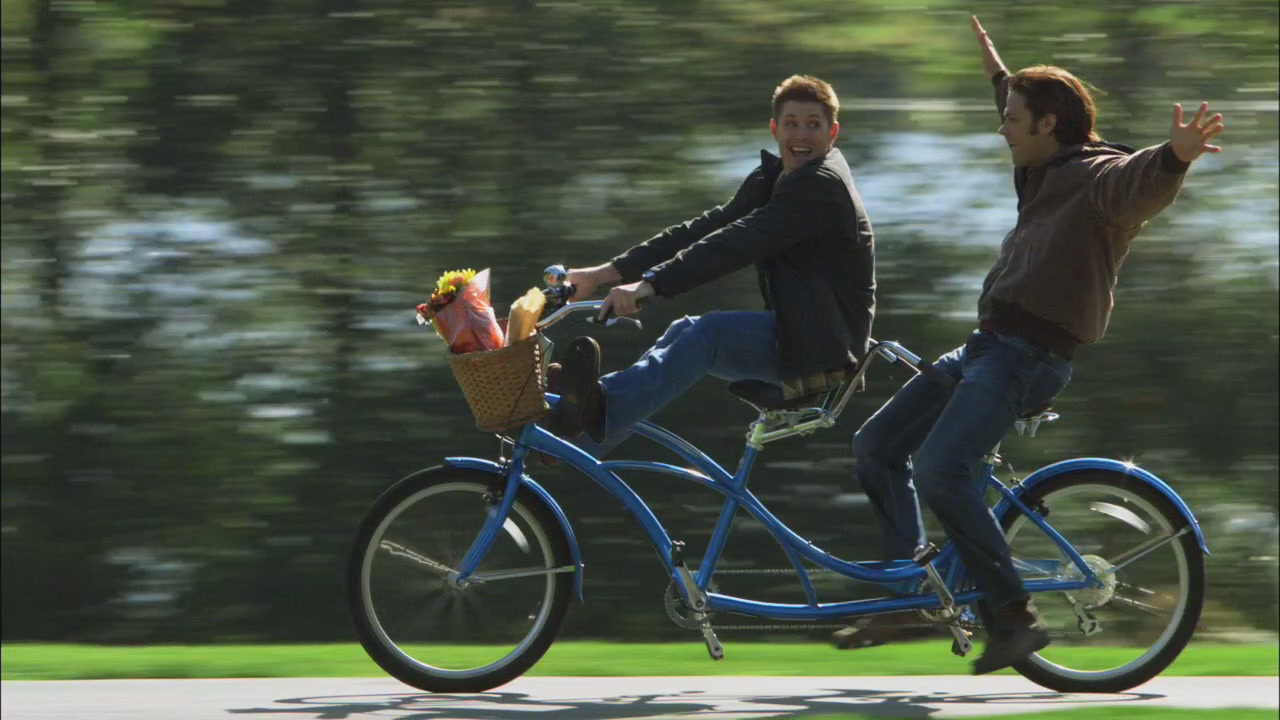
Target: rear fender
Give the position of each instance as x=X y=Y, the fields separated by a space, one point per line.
x=1124 y=468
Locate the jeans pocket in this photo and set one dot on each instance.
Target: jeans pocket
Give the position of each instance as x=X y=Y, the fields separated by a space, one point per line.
x=1049 y=377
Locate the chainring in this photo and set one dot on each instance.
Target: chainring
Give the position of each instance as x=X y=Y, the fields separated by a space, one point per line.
x=679 y=612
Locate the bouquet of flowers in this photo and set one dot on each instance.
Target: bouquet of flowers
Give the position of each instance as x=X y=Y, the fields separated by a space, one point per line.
x=460 y=312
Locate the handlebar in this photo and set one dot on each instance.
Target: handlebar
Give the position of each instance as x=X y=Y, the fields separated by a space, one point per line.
x=893 y=352
x=558 y=294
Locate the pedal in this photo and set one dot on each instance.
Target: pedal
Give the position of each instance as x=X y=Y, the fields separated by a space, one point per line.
x=714 y=648
x=961 y=645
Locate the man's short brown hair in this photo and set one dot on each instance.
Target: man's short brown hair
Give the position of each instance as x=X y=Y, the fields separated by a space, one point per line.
x=1049 y=89
x=806 y=88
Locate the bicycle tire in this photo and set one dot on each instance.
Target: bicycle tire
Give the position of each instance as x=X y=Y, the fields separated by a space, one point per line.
x=1176 y=635
x=397 y=662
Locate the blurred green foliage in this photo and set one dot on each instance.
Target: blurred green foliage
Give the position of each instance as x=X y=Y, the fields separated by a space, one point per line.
x=218 y=217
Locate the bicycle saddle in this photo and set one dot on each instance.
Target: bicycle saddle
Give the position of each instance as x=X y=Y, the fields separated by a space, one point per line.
x=1035 y=412
x=768 y=396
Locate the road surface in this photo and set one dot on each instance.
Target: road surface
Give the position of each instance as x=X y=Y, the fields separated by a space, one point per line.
x=597 y=698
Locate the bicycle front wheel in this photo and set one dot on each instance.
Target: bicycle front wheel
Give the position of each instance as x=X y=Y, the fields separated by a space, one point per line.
x=1121 y=635
x=419 y=625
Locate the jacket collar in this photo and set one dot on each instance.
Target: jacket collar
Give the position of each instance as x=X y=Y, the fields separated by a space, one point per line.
x=1031 y=177
x=771 y=165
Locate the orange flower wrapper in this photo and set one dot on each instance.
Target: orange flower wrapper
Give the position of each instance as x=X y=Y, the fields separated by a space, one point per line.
x=460 y=312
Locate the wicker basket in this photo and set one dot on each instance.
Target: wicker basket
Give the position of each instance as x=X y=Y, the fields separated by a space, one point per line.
x=505 y=387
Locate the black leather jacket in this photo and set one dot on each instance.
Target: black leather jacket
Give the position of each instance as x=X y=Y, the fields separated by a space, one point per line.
x=811 y=243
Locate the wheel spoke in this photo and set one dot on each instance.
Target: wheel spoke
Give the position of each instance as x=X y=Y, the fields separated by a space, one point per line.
x=1150 y=584
x=444 y=636
x=1122 y=559
x=492 y=575
x=1124 y=515
x=1138 y=605
x=399 y=550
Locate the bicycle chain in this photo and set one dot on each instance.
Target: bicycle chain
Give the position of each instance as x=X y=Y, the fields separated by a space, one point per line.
x=673 y=606
x=772 y=571
x=971 y=627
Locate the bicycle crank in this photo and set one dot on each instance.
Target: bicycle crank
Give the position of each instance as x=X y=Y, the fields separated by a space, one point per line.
x=679 y=613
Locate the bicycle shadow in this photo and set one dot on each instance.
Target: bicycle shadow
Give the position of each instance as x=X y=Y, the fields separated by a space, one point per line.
x=510 y=705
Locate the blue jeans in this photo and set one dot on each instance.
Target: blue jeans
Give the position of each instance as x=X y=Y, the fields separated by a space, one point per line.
x=948 y=431
x=727 y=345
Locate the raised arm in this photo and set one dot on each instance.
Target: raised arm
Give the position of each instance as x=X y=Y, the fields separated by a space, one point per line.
x=991 y=63
x=1133 y=190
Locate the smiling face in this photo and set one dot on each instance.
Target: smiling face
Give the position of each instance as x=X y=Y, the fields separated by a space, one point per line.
x=1030 y=141
x=803 y=133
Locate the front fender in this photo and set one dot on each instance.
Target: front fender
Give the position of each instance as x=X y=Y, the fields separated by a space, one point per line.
x=494 y=468
x=1066 y=466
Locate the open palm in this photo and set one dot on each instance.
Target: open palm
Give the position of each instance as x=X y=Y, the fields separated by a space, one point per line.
x=1191 y=140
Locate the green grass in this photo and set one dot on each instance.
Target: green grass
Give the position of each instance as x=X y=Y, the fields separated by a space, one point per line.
x=1112 y=712
x=67 y=662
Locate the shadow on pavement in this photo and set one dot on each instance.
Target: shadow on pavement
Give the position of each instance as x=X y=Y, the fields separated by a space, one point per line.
x=504 y=705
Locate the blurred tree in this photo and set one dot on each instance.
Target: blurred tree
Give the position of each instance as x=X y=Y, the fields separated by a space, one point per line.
x=218 y=216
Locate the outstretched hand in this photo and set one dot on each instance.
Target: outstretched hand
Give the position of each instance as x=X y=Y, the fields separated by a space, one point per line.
x=1190 y=141
x=991 y=63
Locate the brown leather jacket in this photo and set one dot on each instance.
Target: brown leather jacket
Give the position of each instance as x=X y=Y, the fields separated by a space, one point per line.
x=1077 y=214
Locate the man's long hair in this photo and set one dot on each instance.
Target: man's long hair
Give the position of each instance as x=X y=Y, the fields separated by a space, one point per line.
x=806 y=88
x=1049 y=89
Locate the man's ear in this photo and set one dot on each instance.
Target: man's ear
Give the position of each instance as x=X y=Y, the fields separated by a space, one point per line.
x=835 y=130
x=773 y=128
x=1048 y=122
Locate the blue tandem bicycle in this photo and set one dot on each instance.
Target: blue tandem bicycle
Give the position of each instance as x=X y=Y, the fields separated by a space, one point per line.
x=460 y=574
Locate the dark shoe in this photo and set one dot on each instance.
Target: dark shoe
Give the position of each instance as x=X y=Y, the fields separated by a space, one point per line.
x=1014 y=631
x=581 y=406
x=877 y=630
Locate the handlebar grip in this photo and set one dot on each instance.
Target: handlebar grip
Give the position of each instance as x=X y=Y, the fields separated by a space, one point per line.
x=610 y=319
x=610 y=316
x=613 y=320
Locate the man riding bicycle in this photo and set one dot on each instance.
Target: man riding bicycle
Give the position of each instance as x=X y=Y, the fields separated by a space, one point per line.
x=1081 y=202
x=798 y=218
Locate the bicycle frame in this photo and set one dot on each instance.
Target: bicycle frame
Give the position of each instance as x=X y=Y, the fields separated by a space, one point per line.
x=733 y=487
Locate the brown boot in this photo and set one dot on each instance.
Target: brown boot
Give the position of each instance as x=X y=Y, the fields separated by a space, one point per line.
x=581 y=406
x=1014 y=631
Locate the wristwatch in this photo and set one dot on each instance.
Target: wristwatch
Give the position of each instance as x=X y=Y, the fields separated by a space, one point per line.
x=651 y=277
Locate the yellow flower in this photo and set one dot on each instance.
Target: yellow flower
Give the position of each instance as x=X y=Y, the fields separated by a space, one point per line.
x=453 y=281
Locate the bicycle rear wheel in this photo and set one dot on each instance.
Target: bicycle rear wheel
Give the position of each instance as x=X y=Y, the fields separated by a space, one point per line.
x=416 y=623
x=1113 y=638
